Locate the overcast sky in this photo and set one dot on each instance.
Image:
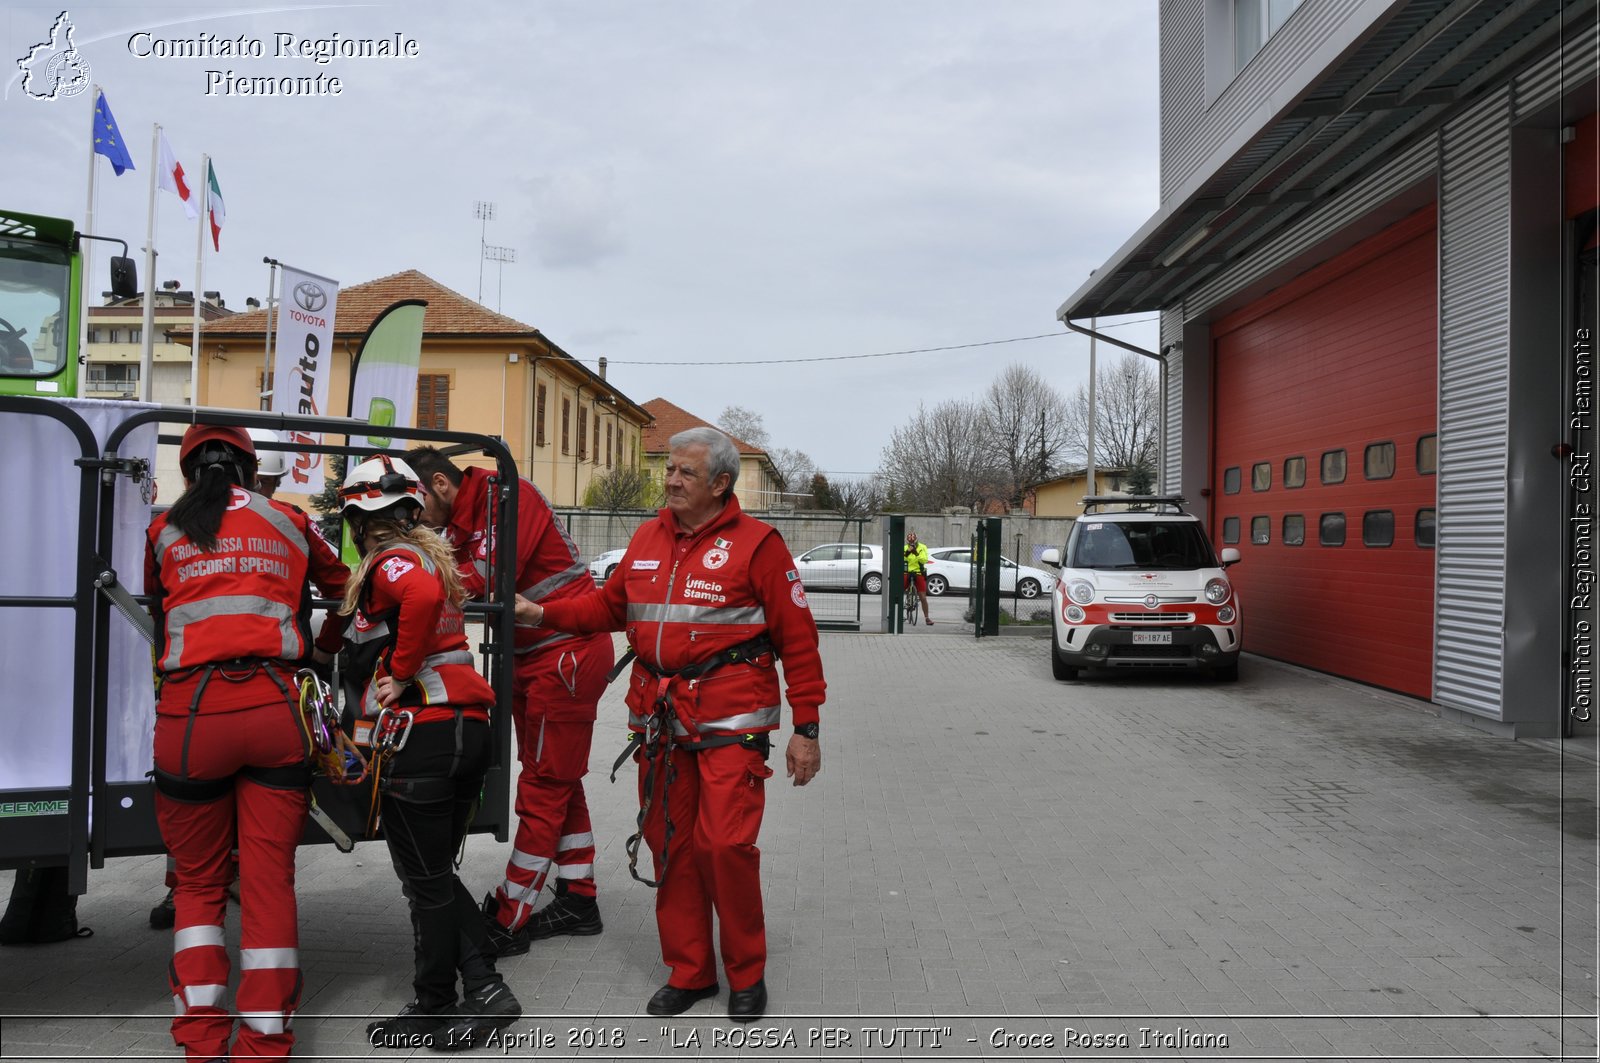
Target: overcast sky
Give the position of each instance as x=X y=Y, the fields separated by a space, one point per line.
x=708 y=180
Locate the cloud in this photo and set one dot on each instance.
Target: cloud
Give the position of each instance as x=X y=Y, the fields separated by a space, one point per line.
x=576 y=219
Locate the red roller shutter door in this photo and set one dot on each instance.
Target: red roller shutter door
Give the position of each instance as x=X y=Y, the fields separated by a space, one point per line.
x=1343 y=358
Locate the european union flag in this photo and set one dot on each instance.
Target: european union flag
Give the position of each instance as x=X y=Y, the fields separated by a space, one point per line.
x=108 y=138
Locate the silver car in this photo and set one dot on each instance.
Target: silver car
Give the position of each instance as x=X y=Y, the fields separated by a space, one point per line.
x=842 y=566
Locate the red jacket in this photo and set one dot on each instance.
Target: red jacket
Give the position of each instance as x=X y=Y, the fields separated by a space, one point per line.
x=683 y=598
x=248 y=598
x=549 y=564
x=403 y=605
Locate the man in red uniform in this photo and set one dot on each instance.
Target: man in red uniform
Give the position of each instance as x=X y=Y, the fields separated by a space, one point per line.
x=559 y=681
x=710 y=602
x=227 y=572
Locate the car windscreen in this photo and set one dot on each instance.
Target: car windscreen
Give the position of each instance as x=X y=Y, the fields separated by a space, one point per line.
x=1143 y=545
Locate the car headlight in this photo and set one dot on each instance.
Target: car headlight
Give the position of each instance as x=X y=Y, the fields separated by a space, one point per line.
x=1218 y=591
x=1074 y=615
x=1225 y=615
x=1081 y=591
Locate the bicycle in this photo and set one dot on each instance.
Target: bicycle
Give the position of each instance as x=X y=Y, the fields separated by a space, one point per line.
x=912 y=603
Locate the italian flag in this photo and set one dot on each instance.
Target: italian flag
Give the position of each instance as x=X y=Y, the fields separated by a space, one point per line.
x=214 y=204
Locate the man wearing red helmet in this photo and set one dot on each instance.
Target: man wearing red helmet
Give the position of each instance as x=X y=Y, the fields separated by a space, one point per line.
x=559 y=680
x=228 y=572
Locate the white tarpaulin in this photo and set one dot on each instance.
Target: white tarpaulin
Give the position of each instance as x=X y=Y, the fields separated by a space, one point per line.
x=301 y=365
x=41 y=541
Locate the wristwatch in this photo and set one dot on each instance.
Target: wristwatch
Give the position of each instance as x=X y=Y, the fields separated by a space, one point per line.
x=806 y=730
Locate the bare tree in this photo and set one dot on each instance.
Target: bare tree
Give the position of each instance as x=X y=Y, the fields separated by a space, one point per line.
x=938 y=459
x=795 y=468
x=746 y=425
x=854 y=498
x=1127 y=426
x=623 y=488
x=1025 y=428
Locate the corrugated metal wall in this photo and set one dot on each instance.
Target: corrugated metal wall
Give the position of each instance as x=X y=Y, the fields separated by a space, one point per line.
x=1474 y=349
x=1172 y=403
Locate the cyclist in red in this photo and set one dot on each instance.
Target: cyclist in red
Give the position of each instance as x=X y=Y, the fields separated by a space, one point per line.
x=916 y=569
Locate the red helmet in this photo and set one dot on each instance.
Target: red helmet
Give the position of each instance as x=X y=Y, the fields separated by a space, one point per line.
x=200 y=434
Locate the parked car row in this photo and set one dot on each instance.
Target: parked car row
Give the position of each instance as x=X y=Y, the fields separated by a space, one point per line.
x=852 y=566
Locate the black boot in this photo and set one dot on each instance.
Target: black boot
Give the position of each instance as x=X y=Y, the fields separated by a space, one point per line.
x=570 y=913
x=14 y=926
x=41 y=910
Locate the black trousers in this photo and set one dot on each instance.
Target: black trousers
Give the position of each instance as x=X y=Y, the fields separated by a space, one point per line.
x=426 y=810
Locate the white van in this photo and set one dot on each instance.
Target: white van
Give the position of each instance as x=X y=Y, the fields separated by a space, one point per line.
x=1141 y=587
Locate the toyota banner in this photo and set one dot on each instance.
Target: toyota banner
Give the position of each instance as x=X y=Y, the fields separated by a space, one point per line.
x=301 y=366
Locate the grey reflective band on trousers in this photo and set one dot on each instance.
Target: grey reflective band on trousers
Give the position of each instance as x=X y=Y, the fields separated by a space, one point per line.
x=696 y=614
x=744 y=721
x=542 y=643
x=426 y=680
x=178 y=617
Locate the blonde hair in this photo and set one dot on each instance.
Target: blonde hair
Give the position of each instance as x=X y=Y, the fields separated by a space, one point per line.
x=425 y=541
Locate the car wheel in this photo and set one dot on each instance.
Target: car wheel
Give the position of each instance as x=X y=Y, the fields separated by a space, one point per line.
x=1028 y=588
x=872 y=583
x=609 y=570
x=1059 y=668
x=937 y=585
x=1227 y=673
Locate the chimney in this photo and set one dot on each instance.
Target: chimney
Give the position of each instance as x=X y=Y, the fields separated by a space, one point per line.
x=214 y=298
x=169 y=286
x=253 y=303
x=602 y=367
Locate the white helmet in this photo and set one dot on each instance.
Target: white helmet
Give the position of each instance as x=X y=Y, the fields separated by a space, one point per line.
x=268 y=462
x=379 y=483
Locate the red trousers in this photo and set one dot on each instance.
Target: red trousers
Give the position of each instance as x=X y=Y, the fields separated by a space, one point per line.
x=266 y=825
x=715 y=799
x=558 y=688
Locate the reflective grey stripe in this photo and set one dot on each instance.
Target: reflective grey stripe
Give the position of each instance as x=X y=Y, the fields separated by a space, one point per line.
x=269 y=959
x=550 y=583
x=169 y=535
x=201 y=996
x=542 y=643
x=761 y=719
x=281 y=521
x=194 y=937
x=229 y=605
x=379 y=630
x=427 y=680
x=265 y=1021
x=575 y=841
x=696 y=614
x=518 y=894
x=529 y=862
x=575 y=871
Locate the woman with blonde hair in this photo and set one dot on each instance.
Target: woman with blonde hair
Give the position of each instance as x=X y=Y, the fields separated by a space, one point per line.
x=430 y=713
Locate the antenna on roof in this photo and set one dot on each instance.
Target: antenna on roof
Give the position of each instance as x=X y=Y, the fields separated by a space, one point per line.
x=484 y=212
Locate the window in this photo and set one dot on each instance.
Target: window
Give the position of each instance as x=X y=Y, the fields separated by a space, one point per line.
x=1330 y=532
x=566 y=425
x=114 y=377
x=583 y=432
x=1261 y=476
x=136 y=335
x=1428 y=455
x=1230 y=529
x=608 y=444
x=1254 y=21
x=1377 y=527
x=1294 y=472
x=1230 y=481
x=1260 y=530
x=823 y=553
x=596 y=451
x=1333 y=462
x=1294 y=530
x=1379 y=461
x=94 y=335
x=433 y=400
x=538 y=417
x=116 y=335
x=1427 y=531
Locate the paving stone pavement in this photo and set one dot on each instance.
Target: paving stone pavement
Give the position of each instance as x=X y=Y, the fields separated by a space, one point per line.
x=995 y=865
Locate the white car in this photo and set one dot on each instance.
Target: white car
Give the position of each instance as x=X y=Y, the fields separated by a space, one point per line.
x=605 y=564
x=1140 y=587
x=842 y=566
x=950 y=569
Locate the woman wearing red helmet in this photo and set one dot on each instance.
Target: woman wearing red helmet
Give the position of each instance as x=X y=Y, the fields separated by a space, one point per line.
x=228 y=572
x=432 y=746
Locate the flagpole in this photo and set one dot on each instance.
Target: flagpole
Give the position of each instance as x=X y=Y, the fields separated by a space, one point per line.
x=147 y=352
x=88 y=227
x=266 y=357
x=199 y=259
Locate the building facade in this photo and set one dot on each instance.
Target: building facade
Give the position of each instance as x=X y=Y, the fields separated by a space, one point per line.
x=758 y=486
x=1374 y=263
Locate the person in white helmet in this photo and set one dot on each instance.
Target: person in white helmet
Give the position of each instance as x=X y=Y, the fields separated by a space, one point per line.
x=270 y=464
x=430 y=708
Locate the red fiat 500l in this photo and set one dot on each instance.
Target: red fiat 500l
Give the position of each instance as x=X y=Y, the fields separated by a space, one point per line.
x=1140 y=587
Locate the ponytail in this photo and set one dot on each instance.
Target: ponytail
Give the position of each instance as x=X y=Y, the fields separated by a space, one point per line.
x=198 y=512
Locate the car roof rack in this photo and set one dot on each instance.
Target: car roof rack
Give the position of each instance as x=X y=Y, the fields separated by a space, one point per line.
x=1136 y=503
